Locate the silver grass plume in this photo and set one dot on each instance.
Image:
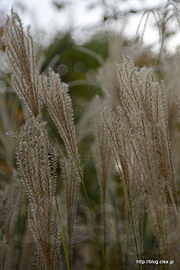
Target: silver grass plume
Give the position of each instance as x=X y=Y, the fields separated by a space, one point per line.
x=142 y=121
x=70 y=177
x=36 y=160
x=10 y=199
x=19 y=48
x=143 y=101
x=59 y=105
x=116 y=132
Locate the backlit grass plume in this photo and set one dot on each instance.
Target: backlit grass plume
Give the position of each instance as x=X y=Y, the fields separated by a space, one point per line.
x=139 y=137
x=116 y=132
x=20 y=52
x=37 y=165
x=59 y=105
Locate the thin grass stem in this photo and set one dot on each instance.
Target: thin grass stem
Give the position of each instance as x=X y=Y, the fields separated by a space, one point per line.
x=87 y=198
x=135 y=237
x=116 y=228
x=62 y=234
x=104 y=220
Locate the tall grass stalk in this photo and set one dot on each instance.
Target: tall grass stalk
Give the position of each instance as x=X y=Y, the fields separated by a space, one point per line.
x=89 y=205
x=116 y=229
x=62 y=233
x=59 y=105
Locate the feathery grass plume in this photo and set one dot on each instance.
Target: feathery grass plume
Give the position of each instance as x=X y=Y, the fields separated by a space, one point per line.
x=117 y=134
x=10 y=199
x=146 y=132
x=70 y=178
x=143 y=100
x=60 y=107
x=20 y=52
x=37 y=165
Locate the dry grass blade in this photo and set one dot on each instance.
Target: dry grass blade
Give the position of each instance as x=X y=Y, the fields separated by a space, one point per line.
x=37 y=166
x=20 y=52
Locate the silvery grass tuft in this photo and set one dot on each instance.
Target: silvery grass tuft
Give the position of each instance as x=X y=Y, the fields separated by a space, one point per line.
x=35 y=155
x=60 y=107
x=138 y=134
x=121 y=150
x=37 y=166
x=20 y=52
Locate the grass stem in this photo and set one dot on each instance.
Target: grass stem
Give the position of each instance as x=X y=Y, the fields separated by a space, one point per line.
x=87 y=198
x=62 y=234
x=135 y=239
x=116 y=228
x=104 y=220
x=90 y=209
